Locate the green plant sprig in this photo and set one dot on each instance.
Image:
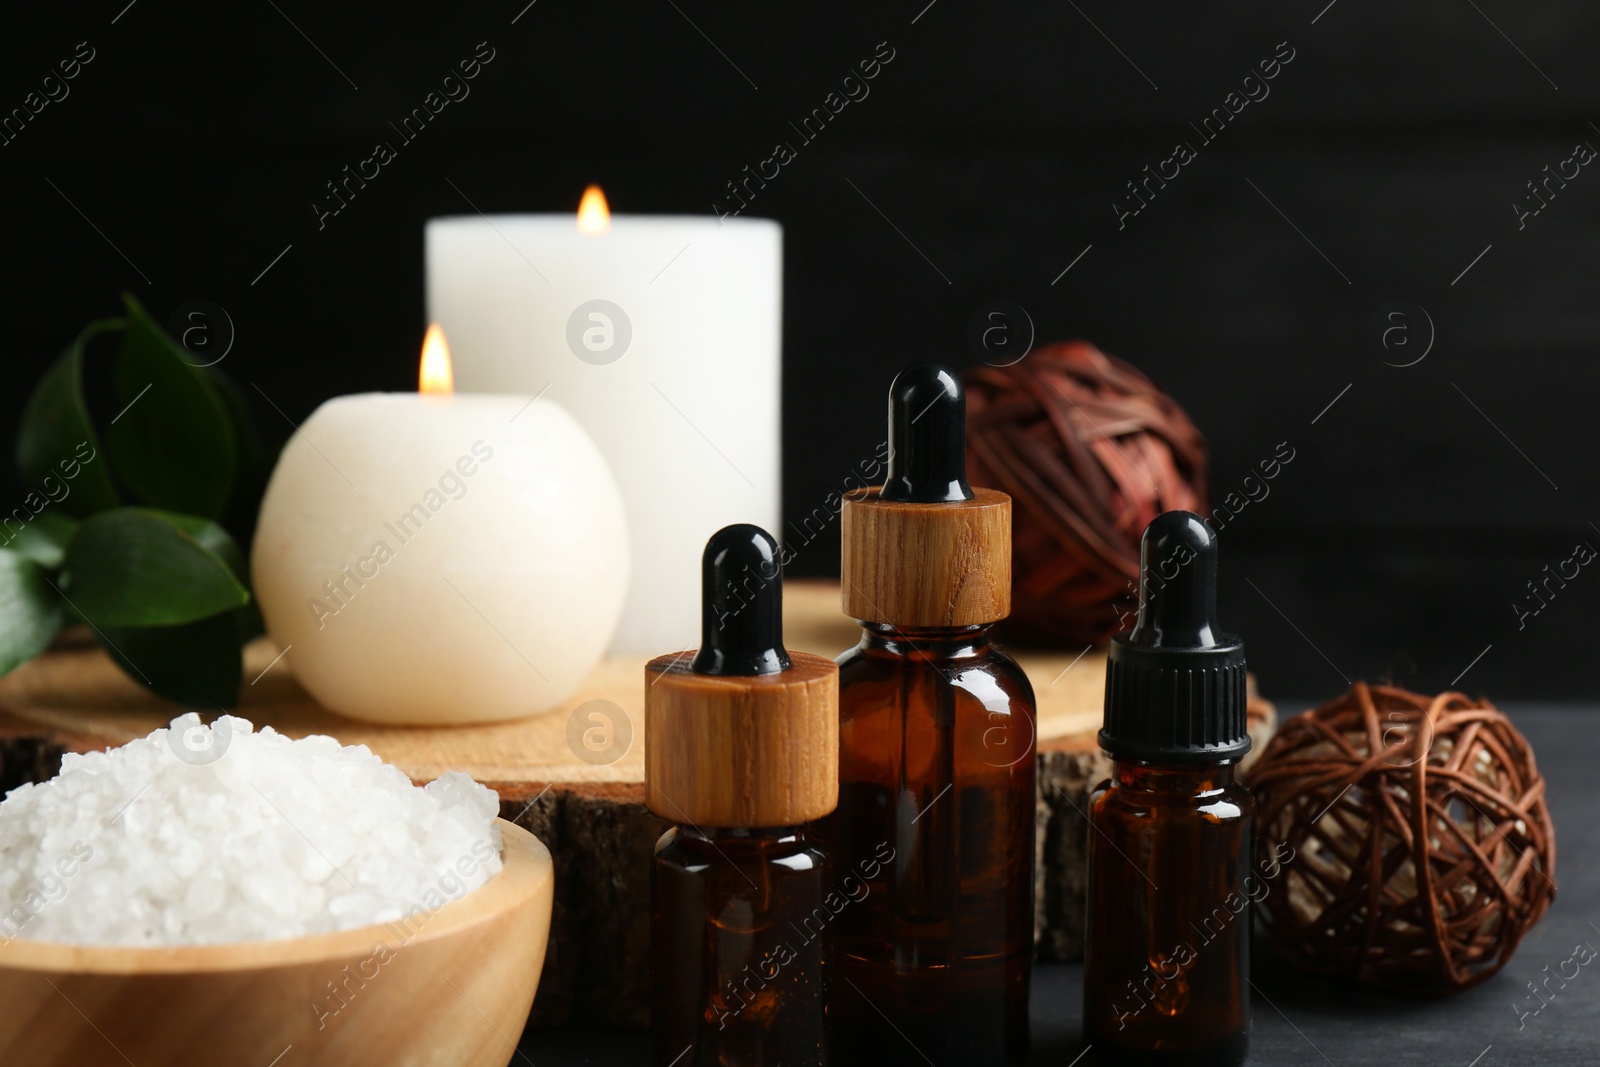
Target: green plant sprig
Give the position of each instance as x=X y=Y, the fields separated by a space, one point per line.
x=137 y=537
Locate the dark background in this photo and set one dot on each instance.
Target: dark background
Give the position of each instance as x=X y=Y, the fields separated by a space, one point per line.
x=996 y=141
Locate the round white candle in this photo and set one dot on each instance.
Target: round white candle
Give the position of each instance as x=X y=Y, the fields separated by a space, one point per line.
x=687 y=413
x=435 y=559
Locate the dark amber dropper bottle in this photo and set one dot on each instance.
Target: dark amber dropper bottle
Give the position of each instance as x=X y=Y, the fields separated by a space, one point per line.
x=741 y=750
x=1167 y=957
x=936 y=759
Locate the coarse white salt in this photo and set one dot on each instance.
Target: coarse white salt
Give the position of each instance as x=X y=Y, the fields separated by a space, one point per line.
x=209 y=834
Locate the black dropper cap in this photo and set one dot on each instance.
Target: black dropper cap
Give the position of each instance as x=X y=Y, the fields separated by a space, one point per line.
x=741 y=604
x=927 y=437
x=1175 y=684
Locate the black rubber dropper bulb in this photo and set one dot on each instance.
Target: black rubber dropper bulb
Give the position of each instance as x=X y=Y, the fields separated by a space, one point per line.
x=1175 y=683
x=741 y=604
x=1178 y=584
x=927 y=437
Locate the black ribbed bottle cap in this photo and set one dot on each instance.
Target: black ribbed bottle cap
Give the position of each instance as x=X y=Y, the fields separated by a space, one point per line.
x=1175 y=685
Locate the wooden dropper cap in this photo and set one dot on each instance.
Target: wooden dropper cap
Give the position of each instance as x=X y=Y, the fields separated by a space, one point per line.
x=926 y=549
x=746 y=734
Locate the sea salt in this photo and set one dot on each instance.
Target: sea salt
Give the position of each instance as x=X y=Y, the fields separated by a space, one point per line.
x=207 y=834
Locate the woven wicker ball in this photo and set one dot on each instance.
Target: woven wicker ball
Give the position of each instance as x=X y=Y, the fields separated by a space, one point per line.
x=1090 y=451
x=1421 y=847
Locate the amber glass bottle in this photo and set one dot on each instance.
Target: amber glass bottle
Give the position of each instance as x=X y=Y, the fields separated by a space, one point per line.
x=1167 y=955
x=741 y=750
x=739 y=946
x=936 y=760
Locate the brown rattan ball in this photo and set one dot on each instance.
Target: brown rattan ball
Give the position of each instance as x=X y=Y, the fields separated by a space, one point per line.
x=1090 y=450
x=1412 y=842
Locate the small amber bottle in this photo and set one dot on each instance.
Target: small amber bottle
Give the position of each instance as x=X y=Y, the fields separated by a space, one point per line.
x=741 y=751
x=1167 y=958
x=936 y=759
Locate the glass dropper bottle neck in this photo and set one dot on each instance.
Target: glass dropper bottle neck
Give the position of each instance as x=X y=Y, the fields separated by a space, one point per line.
x=927 y=642
x=737 y=839
x=1190 y=778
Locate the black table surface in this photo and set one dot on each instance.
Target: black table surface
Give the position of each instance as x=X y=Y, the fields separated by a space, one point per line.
x=1306 y=1022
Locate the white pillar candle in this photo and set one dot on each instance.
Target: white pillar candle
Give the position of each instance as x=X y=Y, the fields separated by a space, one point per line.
x=437 y=559
x=661 y=335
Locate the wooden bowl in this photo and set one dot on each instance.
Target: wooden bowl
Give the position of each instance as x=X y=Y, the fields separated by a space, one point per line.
x=451 y=990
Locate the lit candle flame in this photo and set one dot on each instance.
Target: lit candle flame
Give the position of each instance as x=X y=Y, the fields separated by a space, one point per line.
x=594 y=217
x=435 y=376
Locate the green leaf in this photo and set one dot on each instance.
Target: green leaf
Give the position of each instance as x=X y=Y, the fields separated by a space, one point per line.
x=173 y=443
x=212 y=537
x=198 y=663
x=255 y=460
x=57 y=440
x=251 y=624
x=30 y=611
x=137 y=567
x=44 y=540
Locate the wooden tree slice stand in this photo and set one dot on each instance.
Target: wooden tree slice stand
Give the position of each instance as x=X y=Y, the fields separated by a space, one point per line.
x=592 y=818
